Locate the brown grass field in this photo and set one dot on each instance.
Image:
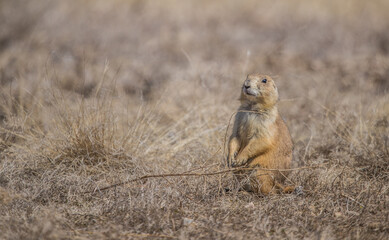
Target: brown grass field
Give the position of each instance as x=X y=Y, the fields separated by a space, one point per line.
x=95 y=93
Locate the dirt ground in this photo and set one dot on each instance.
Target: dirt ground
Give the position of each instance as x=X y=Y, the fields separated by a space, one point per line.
x=95 y=93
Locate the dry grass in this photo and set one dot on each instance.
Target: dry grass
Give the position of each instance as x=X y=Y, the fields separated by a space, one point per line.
x=95 y=93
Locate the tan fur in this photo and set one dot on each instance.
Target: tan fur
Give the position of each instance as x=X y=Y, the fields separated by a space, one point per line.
x=260 y=137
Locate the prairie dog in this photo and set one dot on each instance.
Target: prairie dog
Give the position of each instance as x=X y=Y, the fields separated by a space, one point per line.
x=260 y=137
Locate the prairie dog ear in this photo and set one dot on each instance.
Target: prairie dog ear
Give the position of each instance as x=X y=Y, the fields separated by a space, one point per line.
x=275 y=87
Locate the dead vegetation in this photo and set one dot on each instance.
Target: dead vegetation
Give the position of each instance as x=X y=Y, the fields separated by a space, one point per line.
x=95 y=93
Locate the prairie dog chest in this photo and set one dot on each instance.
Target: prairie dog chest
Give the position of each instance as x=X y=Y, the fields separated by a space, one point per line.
x=254 y=126
x=249 y=125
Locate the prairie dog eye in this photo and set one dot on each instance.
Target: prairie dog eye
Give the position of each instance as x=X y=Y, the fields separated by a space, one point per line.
x=264 y=80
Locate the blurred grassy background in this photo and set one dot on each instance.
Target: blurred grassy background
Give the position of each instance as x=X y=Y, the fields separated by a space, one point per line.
x=96 y=92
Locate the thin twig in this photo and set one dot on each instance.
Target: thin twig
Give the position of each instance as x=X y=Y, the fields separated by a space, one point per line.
x=144 y=235
x=352 y=199
x=197 y=175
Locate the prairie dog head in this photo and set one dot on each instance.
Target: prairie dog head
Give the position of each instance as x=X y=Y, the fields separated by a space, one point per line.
x=259 y=90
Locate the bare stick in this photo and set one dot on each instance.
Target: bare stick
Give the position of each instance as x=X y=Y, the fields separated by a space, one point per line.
x=196 y=175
